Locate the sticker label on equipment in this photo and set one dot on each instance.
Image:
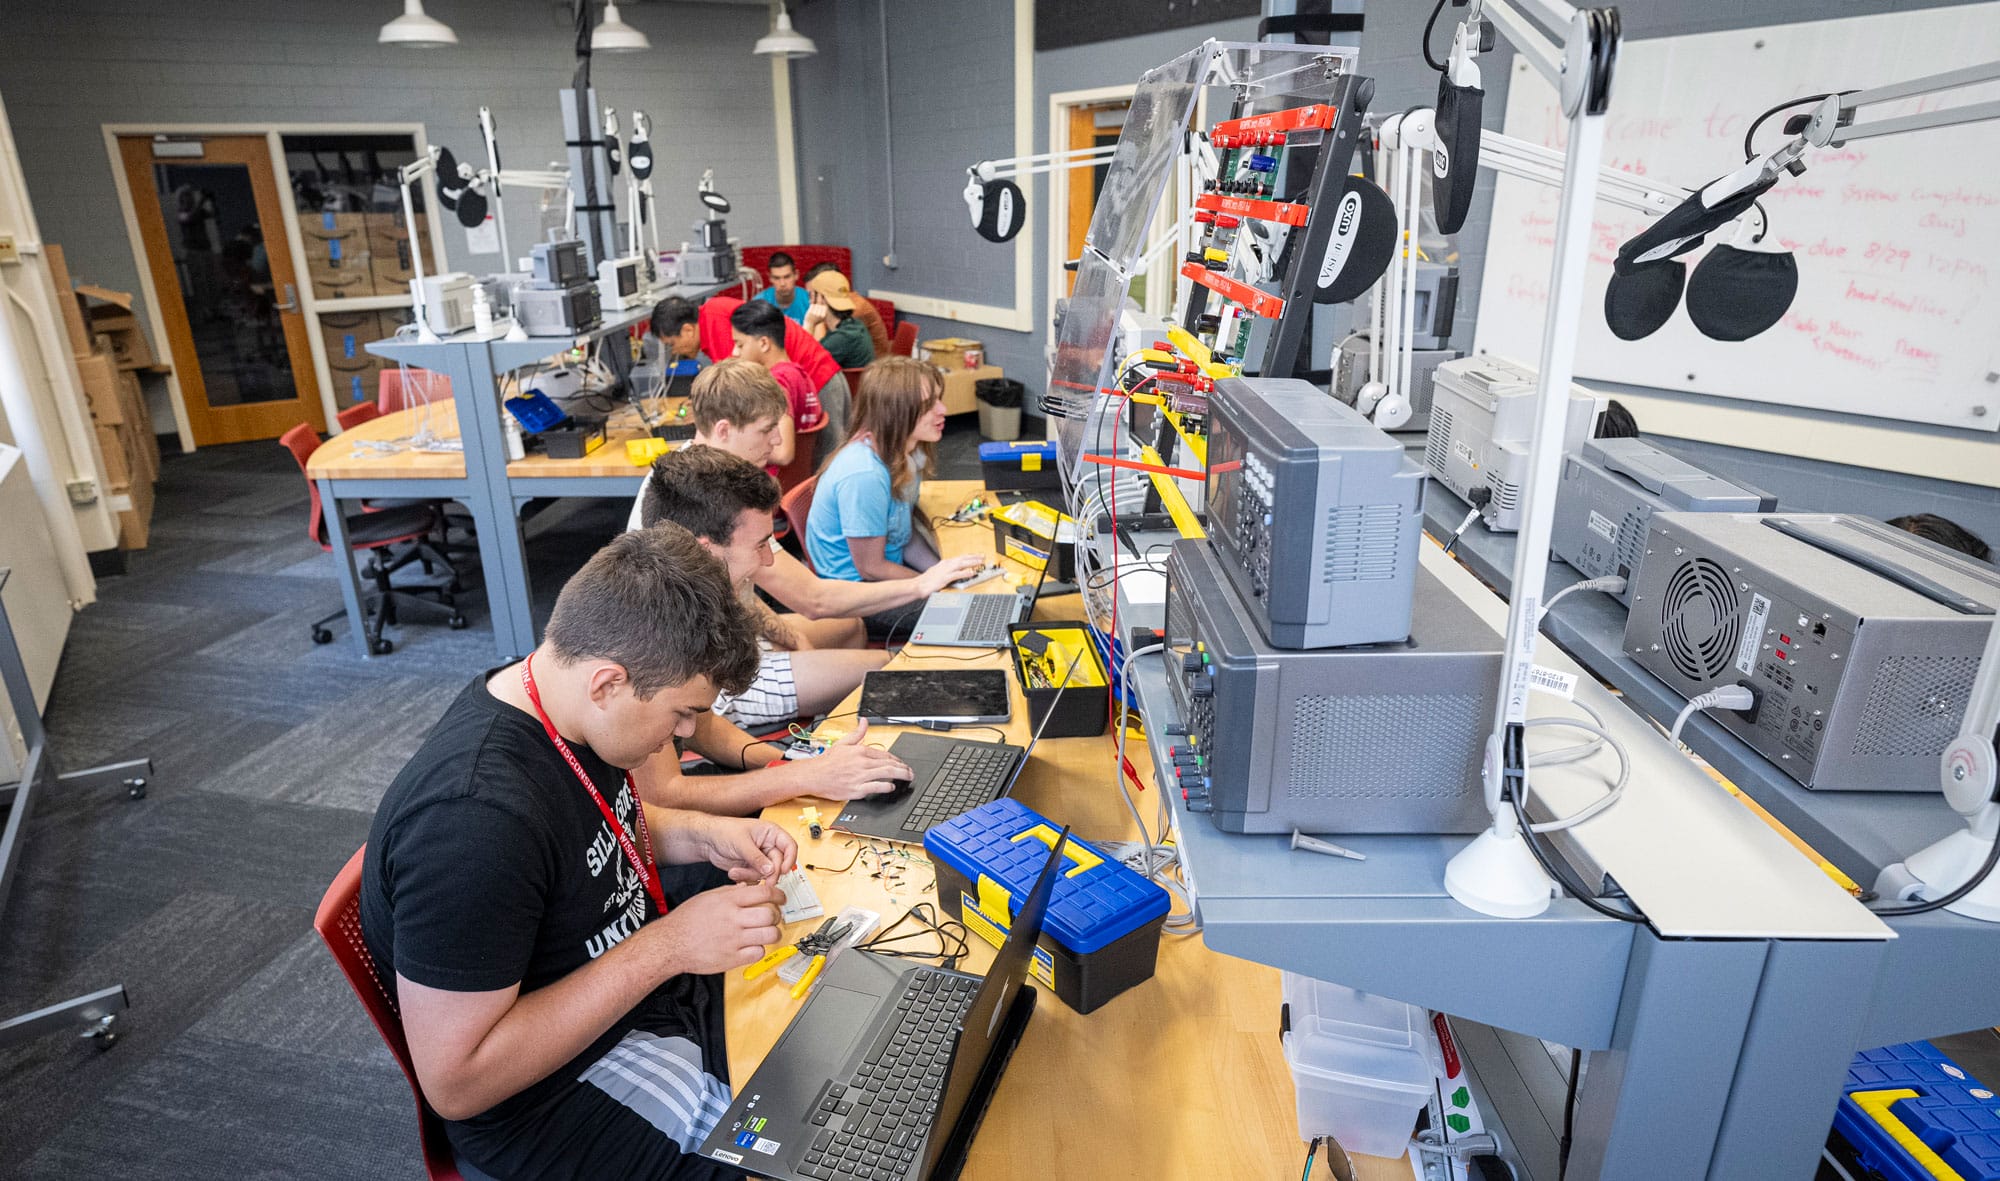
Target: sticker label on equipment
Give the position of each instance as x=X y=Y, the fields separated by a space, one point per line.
x=1548 y=680
x=1043 y=968
x=767 y=1147
x=1463 y=450
x=1753 y=634
x=979 y=922
x=1603 y=526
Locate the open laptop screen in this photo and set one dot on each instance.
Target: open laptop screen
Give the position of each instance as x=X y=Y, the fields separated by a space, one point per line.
x=989 y=1007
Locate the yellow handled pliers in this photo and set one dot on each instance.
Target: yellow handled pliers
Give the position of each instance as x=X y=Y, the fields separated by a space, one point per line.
x=816 y=945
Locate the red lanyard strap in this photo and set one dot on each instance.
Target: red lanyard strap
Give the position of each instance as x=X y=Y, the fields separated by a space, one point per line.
x=641 y=854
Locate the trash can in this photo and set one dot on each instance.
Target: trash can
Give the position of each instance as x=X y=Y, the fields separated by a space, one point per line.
x=999 y=407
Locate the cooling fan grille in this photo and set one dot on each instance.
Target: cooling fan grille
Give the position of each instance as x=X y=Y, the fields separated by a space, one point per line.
x=1701 y=625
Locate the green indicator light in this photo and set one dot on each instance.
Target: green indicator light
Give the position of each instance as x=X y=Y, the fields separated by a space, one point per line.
x=1461 y=1098
x=1458 y=1123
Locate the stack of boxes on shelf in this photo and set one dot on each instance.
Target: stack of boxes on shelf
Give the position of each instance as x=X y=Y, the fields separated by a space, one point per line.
x=357 y=255
x=346 y=335
x=111 y=356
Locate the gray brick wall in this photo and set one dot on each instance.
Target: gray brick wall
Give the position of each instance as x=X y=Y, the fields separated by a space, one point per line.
x=74 y=66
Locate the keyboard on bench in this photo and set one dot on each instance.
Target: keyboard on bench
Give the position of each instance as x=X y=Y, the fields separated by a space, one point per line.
x=967 y=779
x=987 y=618
x=886 y=1109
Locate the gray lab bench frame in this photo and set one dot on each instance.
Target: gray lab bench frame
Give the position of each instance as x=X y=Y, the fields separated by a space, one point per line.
x=1708 y=1058
x=474 y=368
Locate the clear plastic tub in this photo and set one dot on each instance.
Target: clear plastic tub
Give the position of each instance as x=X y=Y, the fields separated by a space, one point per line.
x=1360 y=1064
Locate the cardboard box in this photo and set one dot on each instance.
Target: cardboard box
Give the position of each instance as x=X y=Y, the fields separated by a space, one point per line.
x=346 y=335
x=117 y=468
x=387 y=229
x=108 y=325
x=99 y=374
x=317 y=231
x=951 y=353
x=392 y=265
x=356 y=385
x=959 y=387
x=72 y=310
x=342 y=275
x=135 y=524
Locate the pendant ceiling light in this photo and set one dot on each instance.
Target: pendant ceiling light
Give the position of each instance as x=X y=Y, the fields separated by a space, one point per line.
x=785 y=41
x=613 y=35
x=414 y=30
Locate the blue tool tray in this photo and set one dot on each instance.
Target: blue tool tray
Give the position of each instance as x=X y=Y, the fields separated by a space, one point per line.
x=1950 y=1126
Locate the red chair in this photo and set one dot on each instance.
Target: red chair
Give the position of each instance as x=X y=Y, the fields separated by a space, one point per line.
x=409 y=526
x=339 y=923
x=391 y=396
x=357 y=414
x=796 y=507
x=906 y=339
x=804 y=458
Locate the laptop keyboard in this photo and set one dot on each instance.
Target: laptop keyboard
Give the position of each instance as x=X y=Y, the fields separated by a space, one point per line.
x=987 y=618
x=887 y=1107
x=965 y=781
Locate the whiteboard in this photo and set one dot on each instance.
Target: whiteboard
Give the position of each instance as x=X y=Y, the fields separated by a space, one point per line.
x=1897 y=238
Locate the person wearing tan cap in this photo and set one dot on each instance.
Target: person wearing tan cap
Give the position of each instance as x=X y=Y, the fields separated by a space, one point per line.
x=864 y=310
x=831 y=319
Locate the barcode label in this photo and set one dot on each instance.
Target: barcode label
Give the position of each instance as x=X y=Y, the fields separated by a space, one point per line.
x=1548 y=680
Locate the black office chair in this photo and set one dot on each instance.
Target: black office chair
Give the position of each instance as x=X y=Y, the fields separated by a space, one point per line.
x=394 y=538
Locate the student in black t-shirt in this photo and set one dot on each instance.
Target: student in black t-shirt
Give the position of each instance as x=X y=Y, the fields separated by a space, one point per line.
x=561 y=1023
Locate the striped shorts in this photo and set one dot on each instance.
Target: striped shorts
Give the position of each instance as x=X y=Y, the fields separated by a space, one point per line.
x=772 y=698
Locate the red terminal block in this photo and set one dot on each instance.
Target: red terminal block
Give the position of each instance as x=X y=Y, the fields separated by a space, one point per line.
x=1223 y=221
x=1204 y=217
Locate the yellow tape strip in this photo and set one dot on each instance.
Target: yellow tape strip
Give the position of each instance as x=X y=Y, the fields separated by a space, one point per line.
x=1877 y=1105
x=1171 y=499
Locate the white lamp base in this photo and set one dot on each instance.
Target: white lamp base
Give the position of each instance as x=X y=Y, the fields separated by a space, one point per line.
x=1951 y=862
x=1497 y=874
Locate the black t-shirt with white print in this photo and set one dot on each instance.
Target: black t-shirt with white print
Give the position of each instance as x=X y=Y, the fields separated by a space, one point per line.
x=489 y=865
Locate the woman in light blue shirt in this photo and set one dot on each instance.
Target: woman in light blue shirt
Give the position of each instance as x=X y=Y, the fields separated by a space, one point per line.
x=862 y=527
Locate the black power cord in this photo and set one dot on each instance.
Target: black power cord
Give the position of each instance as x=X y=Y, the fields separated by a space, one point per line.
x=1569 y=1115
x=1430 y=25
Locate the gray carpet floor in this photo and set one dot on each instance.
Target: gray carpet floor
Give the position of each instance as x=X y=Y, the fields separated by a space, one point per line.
x=244 y=1054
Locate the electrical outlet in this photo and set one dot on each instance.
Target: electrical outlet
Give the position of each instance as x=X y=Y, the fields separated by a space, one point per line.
x=8 y=251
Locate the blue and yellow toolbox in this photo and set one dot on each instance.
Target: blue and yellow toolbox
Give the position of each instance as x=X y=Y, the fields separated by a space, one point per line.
x=1909 y=1113
x=1023 y=466
x=1102 y=931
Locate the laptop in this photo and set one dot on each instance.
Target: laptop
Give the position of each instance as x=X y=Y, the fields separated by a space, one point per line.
x=971 y=619
x=950 y=777
x=888 y=1068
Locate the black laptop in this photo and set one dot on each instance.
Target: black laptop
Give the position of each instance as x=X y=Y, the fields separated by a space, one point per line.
x=949 y=777
x=889 y=1068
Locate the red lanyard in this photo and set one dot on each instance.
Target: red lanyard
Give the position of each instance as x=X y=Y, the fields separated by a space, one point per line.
x=643 y=862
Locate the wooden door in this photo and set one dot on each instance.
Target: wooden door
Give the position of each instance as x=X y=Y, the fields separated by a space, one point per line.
x=1091 y=126
x=219 y=249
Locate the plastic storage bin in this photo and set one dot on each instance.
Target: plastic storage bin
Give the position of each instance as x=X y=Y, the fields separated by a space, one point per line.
x=1033 y=534
x=1046 y=653
x=1020 y=467
x=1102 y=932
x=1908 y=1112
x=1360 y=1063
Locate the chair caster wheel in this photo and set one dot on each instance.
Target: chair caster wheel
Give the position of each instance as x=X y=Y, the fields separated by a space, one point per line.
x=135 y=789
x=383 y=647
x=322 y=636
x=103 y=1032
x=457 y=622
